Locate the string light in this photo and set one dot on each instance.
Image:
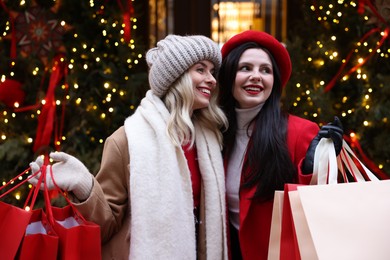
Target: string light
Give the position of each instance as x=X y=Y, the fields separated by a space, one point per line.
x=84 y=56
x=323 y=53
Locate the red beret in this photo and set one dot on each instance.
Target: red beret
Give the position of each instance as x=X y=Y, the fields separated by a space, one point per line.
x=278 y=51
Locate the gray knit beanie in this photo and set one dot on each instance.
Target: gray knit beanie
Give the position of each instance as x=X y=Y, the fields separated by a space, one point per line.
x=176 y=54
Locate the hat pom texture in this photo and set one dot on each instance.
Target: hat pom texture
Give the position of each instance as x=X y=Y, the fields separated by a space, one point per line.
x=267 y=41
x=176 y=54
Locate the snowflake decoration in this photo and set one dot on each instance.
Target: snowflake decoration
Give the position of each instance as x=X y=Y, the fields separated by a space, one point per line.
x=38 y=32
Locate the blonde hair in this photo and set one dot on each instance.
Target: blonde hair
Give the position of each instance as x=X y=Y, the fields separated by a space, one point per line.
x=179 y=101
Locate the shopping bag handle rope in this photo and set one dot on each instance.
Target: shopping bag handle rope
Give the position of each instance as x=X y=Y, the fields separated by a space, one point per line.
x=33 y=192
x=15 y=179
x=347 y=153
x=327 y=165
x=63 y=193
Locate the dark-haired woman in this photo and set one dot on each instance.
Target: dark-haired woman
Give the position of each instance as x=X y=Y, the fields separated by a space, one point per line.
x=264 y=147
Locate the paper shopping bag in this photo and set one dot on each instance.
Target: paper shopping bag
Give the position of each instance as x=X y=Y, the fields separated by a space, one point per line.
x=289 y=249
x=13 y=224
x=283 y=243
x=40 y=241
x=348 y=220
x=14 y=220
x=78 y=238
x=276 y=226
x=305 y=242
x=331 y=215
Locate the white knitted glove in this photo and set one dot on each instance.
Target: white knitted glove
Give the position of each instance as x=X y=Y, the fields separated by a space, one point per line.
x=68 y=172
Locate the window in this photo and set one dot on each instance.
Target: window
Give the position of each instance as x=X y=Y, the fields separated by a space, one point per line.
x=232 y=17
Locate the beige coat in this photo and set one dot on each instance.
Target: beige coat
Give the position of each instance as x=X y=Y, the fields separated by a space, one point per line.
x=109 y=203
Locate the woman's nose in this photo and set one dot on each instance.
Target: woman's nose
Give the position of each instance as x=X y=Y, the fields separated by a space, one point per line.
x=211 y=79
x=255 y=76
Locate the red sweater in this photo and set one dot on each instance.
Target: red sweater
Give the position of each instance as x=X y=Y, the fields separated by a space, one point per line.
x=192 y=161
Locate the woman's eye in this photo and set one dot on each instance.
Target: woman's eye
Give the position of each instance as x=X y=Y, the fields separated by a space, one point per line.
x=266 y=70
x=244 y=68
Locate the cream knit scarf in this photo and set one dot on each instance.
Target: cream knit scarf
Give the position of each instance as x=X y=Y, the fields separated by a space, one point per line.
x=162 y=221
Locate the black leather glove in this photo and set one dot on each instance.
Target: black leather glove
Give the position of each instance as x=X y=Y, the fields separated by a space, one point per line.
x=332 y=130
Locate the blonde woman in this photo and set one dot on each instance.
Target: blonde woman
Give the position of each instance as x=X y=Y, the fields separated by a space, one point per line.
x=160 y=191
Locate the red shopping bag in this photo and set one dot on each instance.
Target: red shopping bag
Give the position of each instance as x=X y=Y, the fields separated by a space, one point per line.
x=78 y=238
x=40 y=241
x=283 y=243
x=13 y=221
x=289 y=249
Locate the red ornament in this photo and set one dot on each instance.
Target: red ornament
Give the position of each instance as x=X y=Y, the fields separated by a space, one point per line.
x=38 y=32
x=10 y=92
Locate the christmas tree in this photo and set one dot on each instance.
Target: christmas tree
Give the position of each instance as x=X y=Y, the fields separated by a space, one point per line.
x=341 y=67
x=70 y=73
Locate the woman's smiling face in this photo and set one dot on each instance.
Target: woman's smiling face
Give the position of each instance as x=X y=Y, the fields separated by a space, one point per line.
x=202 y=75
x=254 y=78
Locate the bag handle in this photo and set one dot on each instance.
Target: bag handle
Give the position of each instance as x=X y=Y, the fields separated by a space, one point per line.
x=33 y=193
x=15 y=179
x=347 y=156
x=327 y=165
x=63 y=193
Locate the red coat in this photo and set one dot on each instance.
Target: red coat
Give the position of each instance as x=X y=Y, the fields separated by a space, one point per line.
x=255 y=218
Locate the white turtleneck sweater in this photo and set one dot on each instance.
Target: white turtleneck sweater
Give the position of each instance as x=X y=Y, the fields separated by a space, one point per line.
x=234 y=169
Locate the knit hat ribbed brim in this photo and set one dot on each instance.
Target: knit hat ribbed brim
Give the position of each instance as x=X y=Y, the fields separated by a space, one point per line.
x=176 y=54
